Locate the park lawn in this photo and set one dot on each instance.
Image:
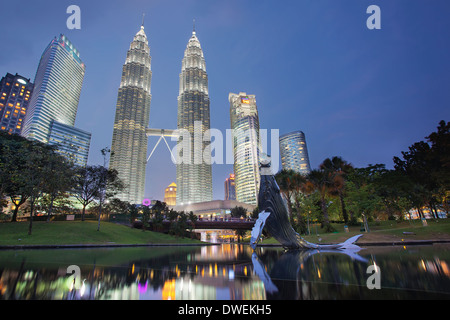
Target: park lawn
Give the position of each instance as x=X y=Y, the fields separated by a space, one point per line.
x=384 y=231
x=81 y=232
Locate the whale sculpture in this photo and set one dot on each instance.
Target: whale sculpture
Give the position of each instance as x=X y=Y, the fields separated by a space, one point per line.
x=274 y=217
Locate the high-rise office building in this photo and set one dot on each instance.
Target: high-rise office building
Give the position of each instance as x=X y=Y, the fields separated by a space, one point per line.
x=72 y=142
x=170 y=194
x=57 y=88
x=194 y=175
x=15 y=93
x=129 y=141
x=230 y=188
x=246 y=146
x=294 y=153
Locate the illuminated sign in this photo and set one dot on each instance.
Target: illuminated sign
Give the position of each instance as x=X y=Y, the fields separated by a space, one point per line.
x=21 y=81
x=245 y=100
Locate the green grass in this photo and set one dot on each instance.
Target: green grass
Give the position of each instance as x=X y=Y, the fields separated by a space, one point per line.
x=78 y=232
x=384 y=231
x=81 y=232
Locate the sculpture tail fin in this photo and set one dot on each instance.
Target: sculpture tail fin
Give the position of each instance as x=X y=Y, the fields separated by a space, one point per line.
x=351 y=240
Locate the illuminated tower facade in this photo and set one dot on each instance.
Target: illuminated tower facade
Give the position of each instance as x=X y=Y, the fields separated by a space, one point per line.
x=15 y=92
x=194 y=175
x=230 y=189
x=246 y=146
x=294 y=153
x=129 y=141
x=57 y=88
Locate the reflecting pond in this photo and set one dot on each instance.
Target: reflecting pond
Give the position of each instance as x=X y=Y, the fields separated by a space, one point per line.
x=225 y=272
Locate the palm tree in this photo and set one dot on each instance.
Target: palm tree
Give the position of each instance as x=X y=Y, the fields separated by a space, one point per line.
x=318 y=180
x=286 y=182
x=337 y=168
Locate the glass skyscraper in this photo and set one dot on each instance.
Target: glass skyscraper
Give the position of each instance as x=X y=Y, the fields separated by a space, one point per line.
x=129 y=141
x=194 y=174
x=230 y=188
x=57 y=88
x=15 y=93
x=294 y=153
x=246 y=146
x=72 y=142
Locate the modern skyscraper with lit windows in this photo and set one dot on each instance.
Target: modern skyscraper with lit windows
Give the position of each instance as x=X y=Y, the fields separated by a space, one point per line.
x=53 y=106
x=15 y=93
x=57 y=88
x=246 y=146
x=129 y=140
x=294 y=152
x=194 y=172
x=230 y=188
x=72 y=142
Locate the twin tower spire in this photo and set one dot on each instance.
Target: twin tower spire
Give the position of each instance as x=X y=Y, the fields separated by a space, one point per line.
x=129 y=141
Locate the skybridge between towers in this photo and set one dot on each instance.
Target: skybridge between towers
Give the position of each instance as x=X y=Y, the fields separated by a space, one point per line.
x=162 y=134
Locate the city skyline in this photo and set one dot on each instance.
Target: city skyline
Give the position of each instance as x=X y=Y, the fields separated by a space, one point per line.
x=365 y=95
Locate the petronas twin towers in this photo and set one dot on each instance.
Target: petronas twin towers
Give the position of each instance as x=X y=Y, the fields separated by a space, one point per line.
x=129 y=142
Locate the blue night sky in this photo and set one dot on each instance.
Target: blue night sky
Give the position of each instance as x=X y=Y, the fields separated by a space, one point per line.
x=364 y=95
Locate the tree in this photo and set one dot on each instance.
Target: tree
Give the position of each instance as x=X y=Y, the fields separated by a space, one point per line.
x=95 y=183
x=361 y=196
x=86 y=185
x=193 y=219
x=286 y=181
x=29 y=169
x=133 y=212
x=338 y=169
x=427 y=165
x=146 y=212
x=319 y=181
x=58 y=180
x=238 y=212
x=13 y=154
x=108 y=186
